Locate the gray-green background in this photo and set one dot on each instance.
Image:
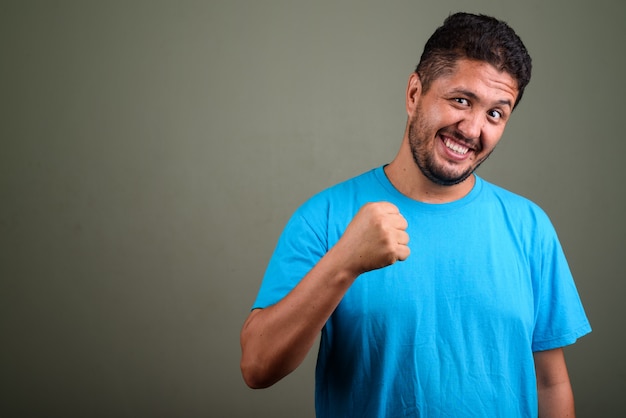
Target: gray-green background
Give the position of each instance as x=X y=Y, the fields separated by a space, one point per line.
x=151 y=152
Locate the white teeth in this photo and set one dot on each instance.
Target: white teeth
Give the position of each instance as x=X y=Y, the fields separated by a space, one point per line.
x=460 y=149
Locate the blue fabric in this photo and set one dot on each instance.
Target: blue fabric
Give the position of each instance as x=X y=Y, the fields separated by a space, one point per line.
x=449 y=332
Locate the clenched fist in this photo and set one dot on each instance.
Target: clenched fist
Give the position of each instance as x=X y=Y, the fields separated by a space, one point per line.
x=375 y=238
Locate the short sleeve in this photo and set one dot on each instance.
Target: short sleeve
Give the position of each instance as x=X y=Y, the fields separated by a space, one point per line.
x=301 y=245
x=559 y=315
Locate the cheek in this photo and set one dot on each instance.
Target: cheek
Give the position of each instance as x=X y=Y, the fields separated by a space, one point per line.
x=430 y=122
x=491 y=139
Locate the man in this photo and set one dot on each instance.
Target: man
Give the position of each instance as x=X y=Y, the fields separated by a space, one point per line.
x=473 y=319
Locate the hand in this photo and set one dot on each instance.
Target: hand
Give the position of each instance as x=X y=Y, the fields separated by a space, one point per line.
x=375 y=238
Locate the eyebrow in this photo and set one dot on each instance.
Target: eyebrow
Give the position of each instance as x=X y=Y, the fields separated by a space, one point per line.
x=473 y=96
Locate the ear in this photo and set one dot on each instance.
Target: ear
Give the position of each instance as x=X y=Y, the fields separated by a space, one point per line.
x=413 y=93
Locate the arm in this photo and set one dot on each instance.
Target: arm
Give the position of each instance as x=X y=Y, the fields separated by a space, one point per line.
x=554 y=390
x=275 y=340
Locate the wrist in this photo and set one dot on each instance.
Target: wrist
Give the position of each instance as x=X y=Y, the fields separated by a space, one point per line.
x=342 y=270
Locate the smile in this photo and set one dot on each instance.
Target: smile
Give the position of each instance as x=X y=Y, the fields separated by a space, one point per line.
x=455 y=146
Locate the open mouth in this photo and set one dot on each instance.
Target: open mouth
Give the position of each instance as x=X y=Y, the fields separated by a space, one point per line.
x=456 y=147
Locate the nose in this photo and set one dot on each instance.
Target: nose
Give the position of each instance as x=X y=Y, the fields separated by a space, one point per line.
x=471 y=125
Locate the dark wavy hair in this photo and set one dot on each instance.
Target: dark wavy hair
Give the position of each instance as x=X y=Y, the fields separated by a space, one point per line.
x=477 y=37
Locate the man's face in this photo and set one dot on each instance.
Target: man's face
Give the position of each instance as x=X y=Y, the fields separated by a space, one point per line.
x=458 y=122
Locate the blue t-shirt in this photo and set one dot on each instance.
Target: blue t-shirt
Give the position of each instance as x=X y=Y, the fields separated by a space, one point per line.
x=450 y=331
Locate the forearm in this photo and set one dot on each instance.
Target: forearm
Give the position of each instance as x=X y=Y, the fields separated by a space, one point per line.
x=556 y=401
x=554 y=391
x=275 y=340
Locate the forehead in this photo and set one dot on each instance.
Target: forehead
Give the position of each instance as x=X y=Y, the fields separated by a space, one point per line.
x=480 y=79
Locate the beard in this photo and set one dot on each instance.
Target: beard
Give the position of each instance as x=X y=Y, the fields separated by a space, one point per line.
x=423 y=153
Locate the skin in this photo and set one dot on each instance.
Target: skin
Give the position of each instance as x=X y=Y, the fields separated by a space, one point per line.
x=467 y=110
x=554 y=390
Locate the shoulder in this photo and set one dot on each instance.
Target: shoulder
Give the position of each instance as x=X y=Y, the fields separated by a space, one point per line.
x=518 y=213
x=345 y=194
x=513 y=202
x=329 y=211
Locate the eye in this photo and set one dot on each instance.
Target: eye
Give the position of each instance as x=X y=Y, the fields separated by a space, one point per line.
x=461 y=101
x=495 y=114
